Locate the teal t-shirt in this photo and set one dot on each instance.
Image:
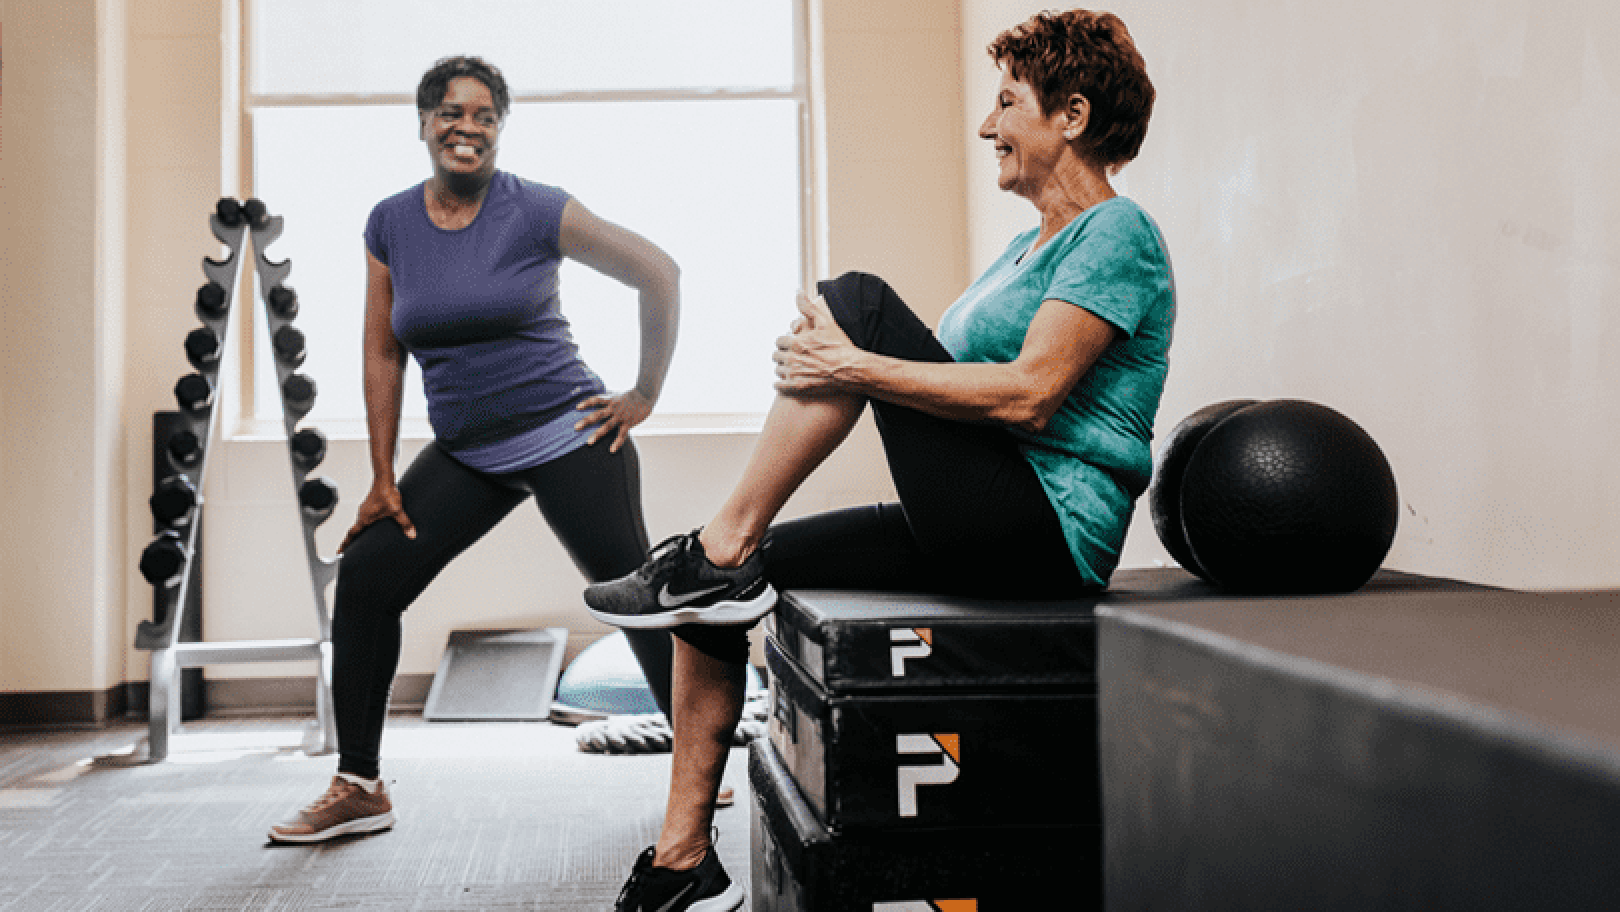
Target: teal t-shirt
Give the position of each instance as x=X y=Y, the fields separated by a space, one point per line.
x=1095 y=456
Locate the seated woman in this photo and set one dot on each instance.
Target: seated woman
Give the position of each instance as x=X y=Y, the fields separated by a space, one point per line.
x=1018 y=438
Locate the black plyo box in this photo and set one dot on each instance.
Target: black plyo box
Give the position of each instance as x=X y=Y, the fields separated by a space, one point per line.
x=851 y=641
x=891 y=759
x=798 y=865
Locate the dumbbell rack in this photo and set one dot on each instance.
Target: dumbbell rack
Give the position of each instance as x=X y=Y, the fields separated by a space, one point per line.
x=167 y=561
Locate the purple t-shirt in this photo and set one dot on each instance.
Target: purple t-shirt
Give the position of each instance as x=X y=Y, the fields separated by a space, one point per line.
x=478 y=309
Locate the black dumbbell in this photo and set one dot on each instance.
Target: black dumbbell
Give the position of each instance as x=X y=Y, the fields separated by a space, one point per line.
x=164 y=559
x=194 y=393
x=211 y=301
x=184 y=449
x=317 y=497
x=283 y=302
x=298 y=392
x=256 y=213
x=229 y=211
x=173 y=501
x=202 y=348
x=308 y=448
x=289 y=345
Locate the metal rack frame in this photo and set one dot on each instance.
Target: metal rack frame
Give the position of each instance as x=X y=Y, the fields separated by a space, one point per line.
x=162 y=637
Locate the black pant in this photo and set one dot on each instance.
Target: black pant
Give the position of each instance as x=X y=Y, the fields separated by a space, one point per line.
x=973 y=518
x=590 y=497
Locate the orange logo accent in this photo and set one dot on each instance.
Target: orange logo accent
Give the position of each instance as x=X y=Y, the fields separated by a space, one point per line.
x=946 y=747
x=908 y=643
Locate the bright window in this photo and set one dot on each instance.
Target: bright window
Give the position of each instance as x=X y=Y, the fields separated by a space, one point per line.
x=684 y=122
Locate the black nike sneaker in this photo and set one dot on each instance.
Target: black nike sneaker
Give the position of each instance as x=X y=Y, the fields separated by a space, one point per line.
x=705 y=888
x=678 y=585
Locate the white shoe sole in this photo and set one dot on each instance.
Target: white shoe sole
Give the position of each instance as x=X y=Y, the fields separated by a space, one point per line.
x=729 y=901
x=348 y=828
x=722 y=614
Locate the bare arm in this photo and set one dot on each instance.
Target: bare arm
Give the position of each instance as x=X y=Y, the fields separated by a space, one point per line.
x=384 y=386
x=637 y=262
x=1061 y=345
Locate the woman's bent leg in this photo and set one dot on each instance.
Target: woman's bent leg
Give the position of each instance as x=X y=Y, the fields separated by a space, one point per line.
x=976 y=510
x=800 y=432
x=381 y=574
x=591 y=497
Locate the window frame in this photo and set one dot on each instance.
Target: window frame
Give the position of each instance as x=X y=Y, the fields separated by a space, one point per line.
x=242 y=406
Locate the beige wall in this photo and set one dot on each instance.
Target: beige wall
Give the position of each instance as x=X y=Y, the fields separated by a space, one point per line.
x=1409 y=212
x=892 y=201
x=61 y=351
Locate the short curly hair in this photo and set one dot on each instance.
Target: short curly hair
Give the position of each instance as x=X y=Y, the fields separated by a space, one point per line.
x=1079 y=51
x=435 y=83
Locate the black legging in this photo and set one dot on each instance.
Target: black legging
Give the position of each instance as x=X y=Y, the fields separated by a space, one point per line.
x=590 y=497
x=973 y=518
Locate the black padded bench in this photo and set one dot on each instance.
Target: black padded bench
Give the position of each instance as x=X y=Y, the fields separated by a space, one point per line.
x=1442 y=750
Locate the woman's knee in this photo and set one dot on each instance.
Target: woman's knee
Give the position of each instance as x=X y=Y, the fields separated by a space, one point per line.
x=372 y=579
x=877 y=320
x=855 y=299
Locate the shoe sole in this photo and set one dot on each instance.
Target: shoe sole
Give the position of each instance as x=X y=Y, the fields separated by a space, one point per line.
x=347 y=828
x=720 y=614
x=729 y=901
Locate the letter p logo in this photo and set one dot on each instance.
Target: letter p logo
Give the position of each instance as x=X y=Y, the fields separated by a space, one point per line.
x=909 y=643
x=947 y=747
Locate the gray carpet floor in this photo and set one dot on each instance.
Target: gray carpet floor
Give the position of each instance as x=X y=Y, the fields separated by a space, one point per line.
x=491 y=816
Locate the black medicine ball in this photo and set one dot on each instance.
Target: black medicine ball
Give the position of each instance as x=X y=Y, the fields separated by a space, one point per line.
x=1288 y=496
x=1164 y=494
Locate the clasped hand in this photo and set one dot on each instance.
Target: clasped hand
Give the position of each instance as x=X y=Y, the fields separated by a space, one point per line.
x=809 y=357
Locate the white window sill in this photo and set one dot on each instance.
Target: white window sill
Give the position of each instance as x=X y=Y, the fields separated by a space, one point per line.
x=687 y=425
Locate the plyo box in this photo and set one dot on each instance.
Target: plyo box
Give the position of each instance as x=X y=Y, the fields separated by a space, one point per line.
x=905 y=710
x=935 y=758
x=798 y=865
x=865 y=685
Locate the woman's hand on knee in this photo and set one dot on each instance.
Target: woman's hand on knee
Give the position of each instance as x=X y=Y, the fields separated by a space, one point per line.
x=383 y=501
x=809 y=358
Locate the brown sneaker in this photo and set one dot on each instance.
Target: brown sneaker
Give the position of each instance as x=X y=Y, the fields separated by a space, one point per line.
x=345 y=808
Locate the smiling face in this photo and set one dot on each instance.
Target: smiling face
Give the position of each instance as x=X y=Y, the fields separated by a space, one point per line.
x=463 y=131
x=1028 y=143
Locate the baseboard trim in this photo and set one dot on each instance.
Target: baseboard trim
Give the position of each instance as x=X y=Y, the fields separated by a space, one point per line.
x=224 y=698
x=63 y=709
x=296 y=695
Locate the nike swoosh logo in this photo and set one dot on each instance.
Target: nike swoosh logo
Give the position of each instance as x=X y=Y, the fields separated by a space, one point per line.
x=676 y=898
x=670 y=600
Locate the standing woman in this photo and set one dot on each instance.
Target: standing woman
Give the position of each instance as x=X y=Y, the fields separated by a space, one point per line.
x=461 y=272
x=1017 y=438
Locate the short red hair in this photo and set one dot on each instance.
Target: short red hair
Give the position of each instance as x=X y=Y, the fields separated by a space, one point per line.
x=1091 y=54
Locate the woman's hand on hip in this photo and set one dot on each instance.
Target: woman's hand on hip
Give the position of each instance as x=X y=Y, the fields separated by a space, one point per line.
x=382 y=502
x=810 y=357
x=615 y=415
